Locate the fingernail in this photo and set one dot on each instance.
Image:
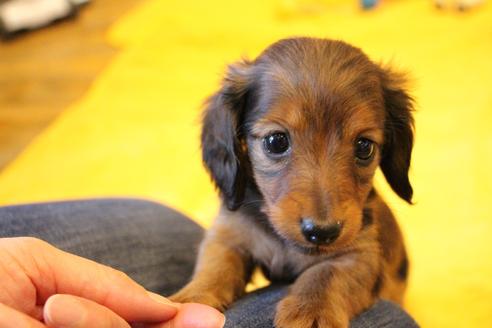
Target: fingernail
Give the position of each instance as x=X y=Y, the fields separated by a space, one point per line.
x=163 y=300
x=200 y=316
x=223 y=321
x=217 y=321
x=62 y=311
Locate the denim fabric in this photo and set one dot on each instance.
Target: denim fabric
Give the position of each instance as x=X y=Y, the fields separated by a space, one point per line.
x=244 y=313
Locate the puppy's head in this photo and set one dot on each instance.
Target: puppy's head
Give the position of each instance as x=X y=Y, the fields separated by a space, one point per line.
x=306 y=124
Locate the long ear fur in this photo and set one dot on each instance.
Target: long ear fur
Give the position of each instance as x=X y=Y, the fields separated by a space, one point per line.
x=223 y=151
x=397 y=150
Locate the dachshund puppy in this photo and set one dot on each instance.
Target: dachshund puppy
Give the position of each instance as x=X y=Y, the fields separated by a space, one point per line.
x=292 y=141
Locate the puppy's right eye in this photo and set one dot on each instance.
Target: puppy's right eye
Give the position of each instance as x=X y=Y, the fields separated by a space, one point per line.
x=276 y=143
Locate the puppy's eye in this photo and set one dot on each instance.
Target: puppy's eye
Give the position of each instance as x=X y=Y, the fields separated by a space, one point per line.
x=276 y=143
x=364 y=150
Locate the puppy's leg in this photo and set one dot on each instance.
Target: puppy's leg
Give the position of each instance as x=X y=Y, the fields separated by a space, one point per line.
x=329 y=294
x=220 y=277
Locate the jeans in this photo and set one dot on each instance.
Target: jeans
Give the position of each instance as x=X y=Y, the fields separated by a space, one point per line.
x=156 y=246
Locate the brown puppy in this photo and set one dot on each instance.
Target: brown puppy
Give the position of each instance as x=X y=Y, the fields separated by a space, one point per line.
x=292 y=141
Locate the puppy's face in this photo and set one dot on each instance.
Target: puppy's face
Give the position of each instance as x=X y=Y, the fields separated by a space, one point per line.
x=314 y=165
x=311 y=120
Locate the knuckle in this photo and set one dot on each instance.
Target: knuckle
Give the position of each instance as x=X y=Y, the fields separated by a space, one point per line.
x=29 y=241
x=120 y=275
x=32 y=243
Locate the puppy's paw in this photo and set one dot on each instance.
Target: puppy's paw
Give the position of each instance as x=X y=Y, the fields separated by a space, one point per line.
x=190 y=295
x=292 y=312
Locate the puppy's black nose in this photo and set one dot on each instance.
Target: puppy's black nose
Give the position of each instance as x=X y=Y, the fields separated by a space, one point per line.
x=320 y=235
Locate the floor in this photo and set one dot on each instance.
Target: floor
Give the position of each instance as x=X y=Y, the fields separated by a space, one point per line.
x=133 y=129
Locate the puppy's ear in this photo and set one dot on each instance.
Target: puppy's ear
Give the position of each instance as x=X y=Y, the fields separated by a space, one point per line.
x=397 y=149
x=223 y=150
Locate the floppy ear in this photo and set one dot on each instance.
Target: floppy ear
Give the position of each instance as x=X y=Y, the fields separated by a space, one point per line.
x=223 y=150
x=397 y=149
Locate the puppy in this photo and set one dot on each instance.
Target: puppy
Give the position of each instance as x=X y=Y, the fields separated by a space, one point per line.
x=292 y=141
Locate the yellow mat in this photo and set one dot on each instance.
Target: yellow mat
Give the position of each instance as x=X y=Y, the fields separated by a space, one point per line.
x=136 y=131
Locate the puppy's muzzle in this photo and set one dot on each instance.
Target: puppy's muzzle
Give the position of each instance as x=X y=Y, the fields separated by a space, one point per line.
x=320 y=235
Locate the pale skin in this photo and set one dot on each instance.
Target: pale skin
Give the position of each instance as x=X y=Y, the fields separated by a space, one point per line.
x=43 y=286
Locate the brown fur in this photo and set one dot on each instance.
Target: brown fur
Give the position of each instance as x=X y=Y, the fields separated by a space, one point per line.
x=324 y=94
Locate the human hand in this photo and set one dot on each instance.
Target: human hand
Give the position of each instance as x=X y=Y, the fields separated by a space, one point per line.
x=42 y=286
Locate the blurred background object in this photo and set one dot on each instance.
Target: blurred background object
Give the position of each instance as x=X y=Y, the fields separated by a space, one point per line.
x=368 y=4
x=109 y=104
x=23 y=15
x=460 y=5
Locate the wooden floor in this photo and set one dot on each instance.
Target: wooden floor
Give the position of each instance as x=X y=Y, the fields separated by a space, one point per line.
x=44 y=71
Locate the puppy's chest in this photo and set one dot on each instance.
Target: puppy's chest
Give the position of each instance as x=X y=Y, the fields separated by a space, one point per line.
x=278 y=261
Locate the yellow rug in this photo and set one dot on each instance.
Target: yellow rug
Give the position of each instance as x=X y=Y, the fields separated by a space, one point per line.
x=136 y=131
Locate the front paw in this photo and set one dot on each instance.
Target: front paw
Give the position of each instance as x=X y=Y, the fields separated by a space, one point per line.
x=194 y=295
x=294 y=312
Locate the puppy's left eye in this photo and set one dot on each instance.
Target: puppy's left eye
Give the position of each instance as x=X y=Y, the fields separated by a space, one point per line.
x=364 y=150
x=276 y=143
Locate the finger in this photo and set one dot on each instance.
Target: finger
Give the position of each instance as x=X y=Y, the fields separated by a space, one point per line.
x=10 y=318
x=193 y=315
x=67 y=311
x=58 y=272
